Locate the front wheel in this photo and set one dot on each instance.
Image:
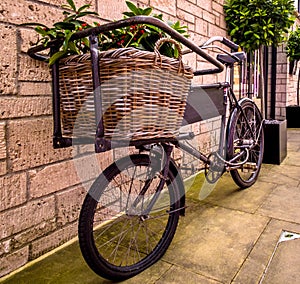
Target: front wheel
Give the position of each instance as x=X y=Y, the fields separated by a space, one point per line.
x=126 y=222
x=246 y=131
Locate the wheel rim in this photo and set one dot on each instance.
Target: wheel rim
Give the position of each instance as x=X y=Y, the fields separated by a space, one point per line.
x=241 y=134
x=125 y=229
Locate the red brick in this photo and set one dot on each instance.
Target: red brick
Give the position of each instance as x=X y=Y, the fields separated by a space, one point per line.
x=217 y=6
x=8 y=60
x=22 y=107
x=26 y=216
x=36 y=232
x=12 y=191
x=112 y=10
x=185 y=16
x=30 y=144
x=190 y=8
x=52 y=178
x=166 y=6
x=3 y=168
x=53 y=240
x=33 y=70
x=205 y=5
x=2 y=140
x=13 y=261
x=56 y=177
x=69 y=204
x=36 y=88
x=23 y=11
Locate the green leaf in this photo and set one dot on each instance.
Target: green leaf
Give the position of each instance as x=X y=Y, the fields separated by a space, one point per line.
x=41 y=31
x=147 y=11
x=56 y=56
x=67 y=39
x=72 y=5
x=33 y=24
x=84 y=7
x=159 y=16
x=156 y=29
x=82 y=14
x=73 y=48
x=86 y=42
x=128 y=14
x=176 y=53
x=133 y=8
x=64 y=26
x=248 y=32
x=70 y=18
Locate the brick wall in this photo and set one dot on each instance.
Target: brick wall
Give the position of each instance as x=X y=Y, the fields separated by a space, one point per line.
x=286 y=84
x=41 y=189
x=292 y=80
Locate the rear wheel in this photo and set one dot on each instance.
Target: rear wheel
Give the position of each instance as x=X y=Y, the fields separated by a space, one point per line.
x=126 y=224
x=240 y=137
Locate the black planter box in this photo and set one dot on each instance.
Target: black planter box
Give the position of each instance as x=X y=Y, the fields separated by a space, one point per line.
x=275 y=141
x=293 y=116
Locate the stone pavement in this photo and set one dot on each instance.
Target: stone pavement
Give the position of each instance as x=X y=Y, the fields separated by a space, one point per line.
x=233 y=236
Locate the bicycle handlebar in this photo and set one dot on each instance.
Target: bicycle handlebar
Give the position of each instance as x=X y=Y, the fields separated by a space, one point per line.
x=34 y=52
x=230 y=44
x=224 y=40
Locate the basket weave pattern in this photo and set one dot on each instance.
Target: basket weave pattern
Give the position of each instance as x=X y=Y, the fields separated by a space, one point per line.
x=143 y=94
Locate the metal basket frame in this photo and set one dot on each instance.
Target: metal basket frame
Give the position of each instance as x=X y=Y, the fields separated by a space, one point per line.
x=102 y=144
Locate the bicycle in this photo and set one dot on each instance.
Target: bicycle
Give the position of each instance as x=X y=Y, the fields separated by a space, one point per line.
x=130 y=214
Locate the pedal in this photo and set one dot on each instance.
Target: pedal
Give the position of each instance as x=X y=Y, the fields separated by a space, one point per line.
x=249 y=166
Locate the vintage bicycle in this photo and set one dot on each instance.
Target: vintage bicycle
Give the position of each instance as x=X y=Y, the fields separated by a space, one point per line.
x=130 y=214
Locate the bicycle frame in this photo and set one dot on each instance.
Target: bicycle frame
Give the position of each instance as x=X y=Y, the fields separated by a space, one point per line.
x=102 y=144
x=230 y=102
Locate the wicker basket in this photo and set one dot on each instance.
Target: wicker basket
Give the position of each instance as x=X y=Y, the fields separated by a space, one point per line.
x=143 y=94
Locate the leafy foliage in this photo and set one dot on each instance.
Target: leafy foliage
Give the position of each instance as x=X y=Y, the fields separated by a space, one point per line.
x=293 y=45
x=65 y=29
x=254 y=23
x=140 y=36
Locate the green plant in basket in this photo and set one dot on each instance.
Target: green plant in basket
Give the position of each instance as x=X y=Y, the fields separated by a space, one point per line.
x=64 y=30
x=142 y=36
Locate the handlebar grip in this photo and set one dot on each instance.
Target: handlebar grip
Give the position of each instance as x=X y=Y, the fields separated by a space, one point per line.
x=230 y=44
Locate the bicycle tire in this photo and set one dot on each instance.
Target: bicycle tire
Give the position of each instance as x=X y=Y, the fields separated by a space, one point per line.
x=237 y=131
x=106 y=200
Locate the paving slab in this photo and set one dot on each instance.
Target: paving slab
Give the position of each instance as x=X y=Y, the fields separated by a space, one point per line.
x=284 y=265
x=214 y=241
x=228 y=195
x=283 y=204
x=256 y=264
x=67 y=266
x=288 y=175
x=181 y=275
x=231 y=236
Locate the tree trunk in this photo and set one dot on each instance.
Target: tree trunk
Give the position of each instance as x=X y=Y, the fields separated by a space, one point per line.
x=262 y=81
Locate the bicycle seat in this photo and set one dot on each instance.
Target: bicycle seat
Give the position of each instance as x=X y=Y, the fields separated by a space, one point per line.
x=231 y=59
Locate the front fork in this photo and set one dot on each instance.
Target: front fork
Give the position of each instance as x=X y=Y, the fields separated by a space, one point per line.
x=163 y=175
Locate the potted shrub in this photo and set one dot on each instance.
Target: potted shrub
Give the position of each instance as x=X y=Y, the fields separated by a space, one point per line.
x=293 y=53
x=255 y=24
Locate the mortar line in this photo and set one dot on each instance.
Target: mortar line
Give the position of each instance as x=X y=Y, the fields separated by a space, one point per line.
x=240 y=268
